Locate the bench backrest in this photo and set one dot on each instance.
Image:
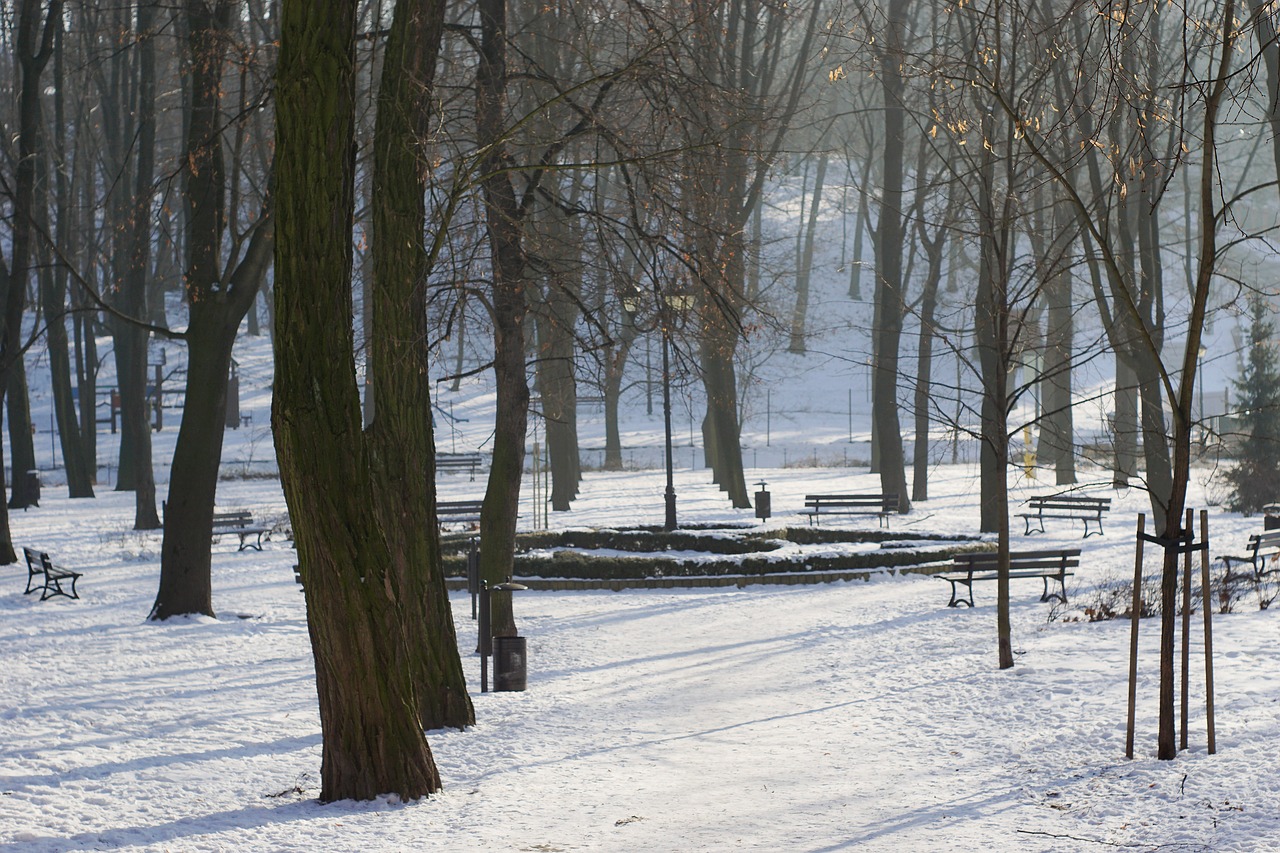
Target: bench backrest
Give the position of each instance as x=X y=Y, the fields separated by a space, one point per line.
x=238 y=518
x=886 y=502
x=467 y=459
x=1069 y=502
x=1062 y=558
x=458 y=507
x=1264 y=541
x=34 y=563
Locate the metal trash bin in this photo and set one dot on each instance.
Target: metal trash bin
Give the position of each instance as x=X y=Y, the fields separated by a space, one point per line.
x=1271 y=517
x=510 y=664
x=33 y=487
x=764 y=502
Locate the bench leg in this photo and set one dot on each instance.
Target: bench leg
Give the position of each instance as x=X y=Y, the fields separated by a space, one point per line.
x=1062 y=582
x=53 y=587
x=956 y=602
x=1039 y=520
x=1097 y=521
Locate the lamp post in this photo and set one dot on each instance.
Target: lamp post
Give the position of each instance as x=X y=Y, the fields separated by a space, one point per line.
x=670 y=521
x=667 y=302
x=679 y=301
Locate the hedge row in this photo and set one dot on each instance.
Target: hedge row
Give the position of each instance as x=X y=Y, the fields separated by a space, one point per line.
x=578 y=565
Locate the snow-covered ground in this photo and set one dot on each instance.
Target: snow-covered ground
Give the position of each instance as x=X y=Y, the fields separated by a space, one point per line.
x=862 y=716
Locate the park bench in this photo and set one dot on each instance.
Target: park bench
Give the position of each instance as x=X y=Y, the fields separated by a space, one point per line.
x=1046 y=565
x=39 y=563
x=470 y=462
x=1263 y=549
x=1088 y=510
x=458 y=512
x=817 y=506
x=240 y=523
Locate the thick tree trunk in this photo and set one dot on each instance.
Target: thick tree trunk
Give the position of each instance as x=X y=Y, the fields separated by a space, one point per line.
x=615 y=362
x=135 y=422
x=23 y=493
x=503 y=220
x=373 y=741
x=400 y=439
x=889 y=283
x=132 y=265
x=86 y=357
x=33 y=47
x=216 y=310
x=558 y=387
x=79 y=467
x=992 y=318
x=1125 y=425
x=185 y=578
x=722 y=432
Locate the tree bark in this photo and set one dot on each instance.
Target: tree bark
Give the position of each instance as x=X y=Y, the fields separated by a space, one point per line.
x=215 y=311
x=615 y=362
x=21 y=439
x=33 y=46
x=503 y=219
x=131 y=266
x=1125 y=424
x=80 y=467
x=889 y=283
x=373 y=741
x=400 y=439
x=557 y=385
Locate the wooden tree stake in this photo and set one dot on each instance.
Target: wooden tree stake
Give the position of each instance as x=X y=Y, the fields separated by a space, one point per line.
x=1135 y=613
x=1207 y=596
x=1186 y=635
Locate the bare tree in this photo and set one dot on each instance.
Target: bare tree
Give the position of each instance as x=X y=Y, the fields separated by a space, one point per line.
x=360 y=578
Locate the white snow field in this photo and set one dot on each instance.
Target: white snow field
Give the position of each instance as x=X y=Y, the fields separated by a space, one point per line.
x=845 y=716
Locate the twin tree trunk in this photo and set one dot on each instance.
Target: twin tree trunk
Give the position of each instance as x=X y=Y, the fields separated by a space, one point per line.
x=354 y=503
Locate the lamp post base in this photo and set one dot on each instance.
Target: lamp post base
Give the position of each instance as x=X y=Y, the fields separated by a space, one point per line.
x=670 y=523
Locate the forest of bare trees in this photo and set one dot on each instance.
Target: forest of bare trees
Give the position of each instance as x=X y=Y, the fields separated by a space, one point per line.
x=541 y=190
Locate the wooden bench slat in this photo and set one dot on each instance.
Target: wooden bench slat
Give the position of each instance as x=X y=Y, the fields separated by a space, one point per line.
x=1086 y=509
x=1046 y=565
x=240 y=523
x=1262 y=547
x=39 y=562
x=458 y=511
x=882 y=505
x=471 y=462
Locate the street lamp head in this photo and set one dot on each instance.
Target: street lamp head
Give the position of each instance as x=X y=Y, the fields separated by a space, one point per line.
x=680 y=301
